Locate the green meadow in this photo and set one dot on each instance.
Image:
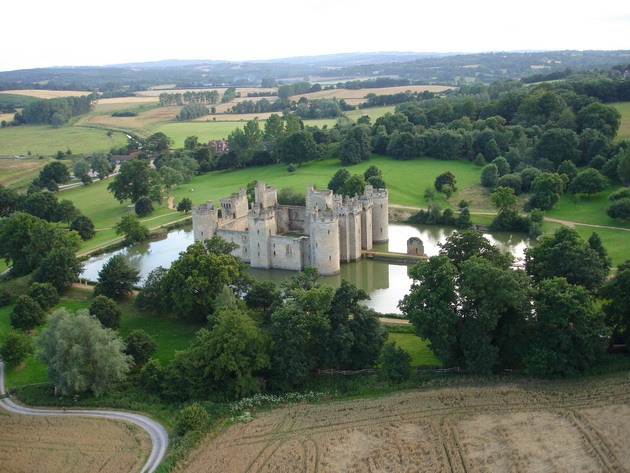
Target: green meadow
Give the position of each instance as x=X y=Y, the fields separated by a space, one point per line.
x=47 y=140
x=624 y=129
x=418 y=349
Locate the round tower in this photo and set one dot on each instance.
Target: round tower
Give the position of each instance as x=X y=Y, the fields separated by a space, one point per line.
x=204 y=220
x=324 y=243
x=380 y=216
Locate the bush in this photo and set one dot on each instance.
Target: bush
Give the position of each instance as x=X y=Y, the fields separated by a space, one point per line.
x=106 y=311
x=489 y=175
x=140 y=345
x=143 y=206
x=27 y=313
x=83 y=226
x=291 y=167
x=152 y=376
x=5 y=297
x=184 y=205
x=192 y=417
x=16 y=348
x=395 y=363
x=44 y=293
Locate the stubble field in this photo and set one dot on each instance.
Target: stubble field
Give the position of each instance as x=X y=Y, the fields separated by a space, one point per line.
x=539 y=427
x=69 y=444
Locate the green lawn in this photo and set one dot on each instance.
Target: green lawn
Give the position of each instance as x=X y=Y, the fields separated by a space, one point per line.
x=406 y=180
x=584 y=209
x=47 y=140
x=624 y=129
x=417 y=348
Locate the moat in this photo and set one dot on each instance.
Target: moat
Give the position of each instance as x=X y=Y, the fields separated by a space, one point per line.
x=386 y=283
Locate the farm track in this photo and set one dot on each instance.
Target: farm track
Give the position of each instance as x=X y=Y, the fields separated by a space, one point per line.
x=157 y=433
x=424 y=431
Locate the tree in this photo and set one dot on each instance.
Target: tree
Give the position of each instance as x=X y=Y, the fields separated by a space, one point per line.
x=40 y=204
x=106 y=311
x=170 y=178
x=191 y=142
x=157 y=143
x=151 y=295
x=623 y=166
x=60 y=267
x=502 y=165
x=619 y=208
x=27 y=314
x=141 y=346
x=569 y=330
x=45 y=294
x=117 y=278
x=133 y=181
x=81 y=170
x=16 y=348
x=604 y=118
x=299 y=148
x=569 y=169
x=143 y=206
x=184 y=205
x=65 y=212
x=504 y=199
x=446 y=179
x=132 y=229
x=56 y=172
x=192 y=417
x=395 y=363
x=101 y=165
x=84 y=226
x=354 y=185
x=565 y=254
x=8 y=201
x=337 y=181
x=80 y=354
x=195 y=279
x=463 y=245
x=557 y=145
x=356 y=146
x=589 y=181
x=616 y=292
x=489 y=175
x=546 y=190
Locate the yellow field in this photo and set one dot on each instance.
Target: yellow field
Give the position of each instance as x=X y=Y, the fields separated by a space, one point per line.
x=534 y=426
x=144 y=120
x=70 y=444
x=47 y=94
x=117 y=103
x=7 y=117
x=243 y=91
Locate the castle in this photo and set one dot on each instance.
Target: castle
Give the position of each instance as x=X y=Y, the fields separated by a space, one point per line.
x=329 y=230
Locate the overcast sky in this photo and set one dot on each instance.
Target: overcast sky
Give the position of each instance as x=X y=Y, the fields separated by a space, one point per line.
x=41 y=33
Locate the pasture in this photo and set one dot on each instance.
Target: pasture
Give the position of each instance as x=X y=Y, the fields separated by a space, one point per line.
x=17 y=173
x=624 y=128
x=46 y=140
x=70 y=444
x=532 y=426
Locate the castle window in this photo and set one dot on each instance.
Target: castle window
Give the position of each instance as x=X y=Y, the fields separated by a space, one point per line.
x=269 y=232
x=289 y=250
x=258 y=232
x=258 y=245
x=329 y=232
x=381 y=205
x=330 y=258
x=274 y=253
x=244 y=238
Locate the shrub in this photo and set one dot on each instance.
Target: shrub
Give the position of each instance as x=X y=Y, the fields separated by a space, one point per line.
x=44 y=293
x=192 y=417
x=395 y=363
x=16 y=348
x=106 y=311
x=83 y=226
x=140 y=345
x=291 y=167
x=27 y=314
x=152 y=376
x=143 y=206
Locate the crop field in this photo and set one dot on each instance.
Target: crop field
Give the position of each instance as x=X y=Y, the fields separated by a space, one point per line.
x=47 y=94
x=533 y=426
x=18 y=173
x=70 y=444
x=355 y=97
x=117 y=103
x=141 y=123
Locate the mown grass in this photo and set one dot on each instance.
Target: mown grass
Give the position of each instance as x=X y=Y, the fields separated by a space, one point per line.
x=585 y=209
x=47 y=140
x=421 y=354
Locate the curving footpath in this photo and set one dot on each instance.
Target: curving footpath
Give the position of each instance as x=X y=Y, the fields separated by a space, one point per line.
x=159 y=437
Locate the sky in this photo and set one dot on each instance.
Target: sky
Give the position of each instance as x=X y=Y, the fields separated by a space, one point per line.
x=43 y=33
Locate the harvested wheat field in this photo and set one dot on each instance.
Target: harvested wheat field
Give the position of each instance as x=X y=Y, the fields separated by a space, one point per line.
x=46 y=444
x=47 y=94
x=357 y=96
x=534 y=427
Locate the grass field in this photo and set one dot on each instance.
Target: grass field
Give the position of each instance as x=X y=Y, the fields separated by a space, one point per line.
x=624 y=128
x=18 y=173
x=70 y=444
x=534 y=426
x=417 y=348
x=47 y=140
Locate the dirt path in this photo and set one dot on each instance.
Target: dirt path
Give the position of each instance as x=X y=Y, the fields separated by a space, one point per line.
x=157 y=433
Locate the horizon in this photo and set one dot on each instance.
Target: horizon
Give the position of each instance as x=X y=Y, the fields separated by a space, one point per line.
x=66 y=34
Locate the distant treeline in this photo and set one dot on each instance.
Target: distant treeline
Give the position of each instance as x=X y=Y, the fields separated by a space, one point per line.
x=204 y=97
x=55 y=111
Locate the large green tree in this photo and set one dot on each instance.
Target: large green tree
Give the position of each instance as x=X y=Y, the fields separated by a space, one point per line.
x=590 y=181
x=117 y=278
x=300 y=148
x=80 y=354
x=134 y=180
x=356 y=146
x=616 y=292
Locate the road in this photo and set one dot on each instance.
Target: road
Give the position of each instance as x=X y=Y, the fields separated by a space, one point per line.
x=157 y=433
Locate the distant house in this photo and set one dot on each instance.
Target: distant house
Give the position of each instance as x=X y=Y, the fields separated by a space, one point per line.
x=121 y=158
x=219 y=146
